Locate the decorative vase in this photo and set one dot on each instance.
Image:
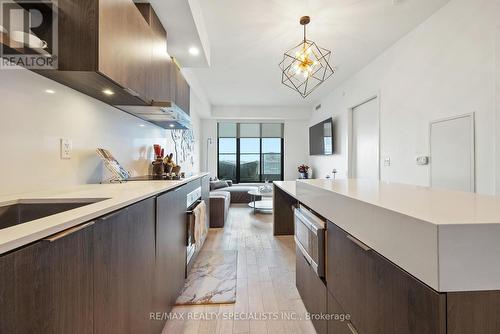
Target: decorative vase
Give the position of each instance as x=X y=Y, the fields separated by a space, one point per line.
x=158 y=167
x=176 y=170
x=168 y=169
x=303 y=175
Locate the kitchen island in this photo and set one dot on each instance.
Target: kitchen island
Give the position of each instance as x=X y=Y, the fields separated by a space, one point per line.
x=393 y=248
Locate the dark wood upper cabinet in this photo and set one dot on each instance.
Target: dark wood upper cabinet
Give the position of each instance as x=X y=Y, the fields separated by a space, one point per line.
x=46 y=287
x=104 y=45
x=118 y=47
x=124 y=46
x=182 y=91
x=161 y=85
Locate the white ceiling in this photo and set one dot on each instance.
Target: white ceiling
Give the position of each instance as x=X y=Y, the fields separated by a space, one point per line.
x=183 y=21
x=248 y=38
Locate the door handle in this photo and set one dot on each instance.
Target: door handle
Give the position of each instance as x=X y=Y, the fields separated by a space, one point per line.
x=352 y=328
x=67 y=232
x=358 y=243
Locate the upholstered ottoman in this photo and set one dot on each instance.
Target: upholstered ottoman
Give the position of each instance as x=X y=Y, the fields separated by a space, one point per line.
x=219 y=207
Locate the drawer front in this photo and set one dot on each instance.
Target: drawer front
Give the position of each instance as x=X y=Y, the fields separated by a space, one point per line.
x=347 y=269
x=312 y=290
x=337 y=325
x=381 y=297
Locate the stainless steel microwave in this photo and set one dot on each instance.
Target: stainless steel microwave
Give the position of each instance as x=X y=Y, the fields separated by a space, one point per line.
x=310 y=232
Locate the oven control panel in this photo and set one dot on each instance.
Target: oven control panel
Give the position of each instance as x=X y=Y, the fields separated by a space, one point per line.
x=193 y=196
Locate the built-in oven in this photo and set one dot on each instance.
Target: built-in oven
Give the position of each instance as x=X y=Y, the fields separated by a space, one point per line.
x=310 y=231
x=193 y=199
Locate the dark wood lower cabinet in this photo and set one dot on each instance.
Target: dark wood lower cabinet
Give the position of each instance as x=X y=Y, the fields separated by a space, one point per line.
x=339 y=325
x=283 y=220
x=312 y=290
x=171 y=248
x=124 y=261
x=380 y=297
x=473 y=312
x=46 y=287
x=105 y=276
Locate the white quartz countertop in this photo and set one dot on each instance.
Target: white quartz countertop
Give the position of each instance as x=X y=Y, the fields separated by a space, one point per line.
x=287 y=186
x=449 y=240
x=117 y=196
x=436 y=206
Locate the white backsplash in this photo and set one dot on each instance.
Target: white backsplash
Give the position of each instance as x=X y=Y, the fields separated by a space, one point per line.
x=32 y=123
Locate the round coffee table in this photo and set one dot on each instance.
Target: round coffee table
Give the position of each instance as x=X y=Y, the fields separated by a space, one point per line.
x=265 y=205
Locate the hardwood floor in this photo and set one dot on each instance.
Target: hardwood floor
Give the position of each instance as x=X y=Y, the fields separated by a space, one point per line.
x=265 y=284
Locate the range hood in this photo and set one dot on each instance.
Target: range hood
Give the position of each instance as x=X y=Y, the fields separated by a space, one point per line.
x=164 y=114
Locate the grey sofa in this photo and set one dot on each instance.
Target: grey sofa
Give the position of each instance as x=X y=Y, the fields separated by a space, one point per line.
x=219 y=207
x=222 y=194
x=239 y=192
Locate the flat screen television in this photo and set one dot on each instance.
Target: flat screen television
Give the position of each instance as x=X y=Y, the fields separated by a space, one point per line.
x=321 y=138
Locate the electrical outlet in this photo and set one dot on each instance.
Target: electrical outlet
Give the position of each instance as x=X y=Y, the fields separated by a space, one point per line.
x=387 y=161
x=66 y=147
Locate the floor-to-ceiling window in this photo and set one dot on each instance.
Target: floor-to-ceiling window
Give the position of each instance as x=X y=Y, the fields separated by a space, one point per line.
x=250 y=152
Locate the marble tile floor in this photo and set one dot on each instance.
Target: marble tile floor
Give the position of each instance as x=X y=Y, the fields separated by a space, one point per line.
x=212 y=279
x=267 y=298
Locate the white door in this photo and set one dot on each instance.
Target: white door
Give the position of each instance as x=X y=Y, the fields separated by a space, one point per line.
x=452 y=153
x=365 y=141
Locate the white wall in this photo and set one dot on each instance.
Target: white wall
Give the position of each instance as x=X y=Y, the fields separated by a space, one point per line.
x=296 y=147
x=260 y=113
x=497 y=85
x=32 y=123
x=445 y=67
x=295 y=133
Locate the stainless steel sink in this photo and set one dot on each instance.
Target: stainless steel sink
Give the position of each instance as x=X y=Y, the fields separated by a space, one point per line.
x=28 y=210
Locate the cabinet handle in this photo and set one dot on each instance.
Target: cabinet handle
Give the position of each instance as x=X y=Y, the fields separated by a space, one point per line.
x=358 y=243
x=67 y=232
x=307 y=260
x=351 y=328
x=131 y=92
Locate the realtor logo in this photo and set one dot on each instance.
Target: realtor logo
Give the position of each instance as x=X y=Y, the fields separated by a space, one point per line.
x=28 y=34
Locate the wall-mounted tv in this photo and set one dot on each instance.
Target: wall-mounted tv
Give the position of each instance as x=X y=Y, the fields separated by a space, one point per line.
x=321 y=138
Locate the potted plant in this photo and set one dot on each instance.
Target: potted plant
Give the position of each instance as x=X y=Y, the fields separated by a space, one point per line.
x=303 y=171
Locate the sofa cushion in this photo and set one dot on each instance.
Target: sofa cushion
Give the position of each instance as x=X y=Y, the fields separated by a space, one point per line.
x=214 y=185
x=220 y=194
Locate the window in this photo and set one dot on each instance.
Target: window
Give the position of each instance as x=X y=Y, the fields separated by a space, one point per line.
x=250 y=152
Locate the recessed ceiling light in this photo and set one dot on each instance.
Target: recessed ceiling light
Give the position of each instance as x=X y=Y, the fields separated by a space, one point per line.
x=194 y=51
x=141 y=125
x=50 y=91
x=108 y=92
x=171 y=125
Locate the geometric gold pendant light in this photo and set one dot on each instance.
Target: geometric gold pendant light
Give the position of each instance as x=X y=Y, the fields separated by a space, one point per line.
x=305 y=66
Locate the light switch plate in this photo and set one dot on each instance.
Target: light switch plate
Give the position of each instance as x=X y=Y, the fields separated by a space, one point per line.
x=387 y=161
x=422 y=160
x=66 y=148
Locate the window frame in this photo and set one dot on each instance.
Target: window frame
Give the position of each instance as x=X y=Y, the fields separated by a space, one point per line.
x=261 y=154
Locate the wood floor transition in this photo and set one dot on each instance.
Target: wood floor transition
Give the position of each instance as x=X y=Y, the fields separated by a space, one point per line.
x=265 y=285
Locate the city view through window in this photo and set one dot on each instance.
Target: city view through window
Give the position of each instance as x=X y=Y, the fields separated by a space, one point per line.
x=250 y=152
